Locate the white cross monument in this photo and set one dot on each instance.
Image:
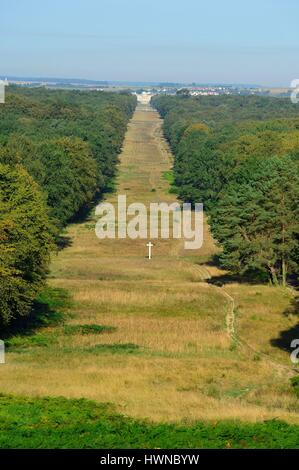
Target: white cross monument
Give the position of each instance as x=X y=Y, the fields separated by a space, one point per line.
x=150 y=245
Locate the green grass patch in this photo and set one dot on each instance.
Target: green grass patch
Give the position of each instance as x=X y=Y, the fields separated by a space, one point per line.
x=126 y=348
x=29 y=332
x=20 y=344
x=88 y=329
x=169 y=177
x=61 y=423
x=54 y=299
x=47 y=311
x=90 y=227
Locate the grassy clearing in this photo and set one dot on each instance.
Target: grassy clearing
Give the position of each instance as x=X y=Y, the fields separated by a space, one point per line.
x=57 y=422
x=150 y=337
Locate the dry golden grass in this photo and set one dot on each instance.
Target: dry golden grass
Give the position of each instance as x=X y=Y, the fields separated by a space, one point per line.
x=185 y=366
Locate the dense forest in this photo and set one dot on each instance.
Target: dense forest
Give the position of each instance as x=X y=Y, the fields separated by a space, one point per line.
x=240 y=157
x=58 y=150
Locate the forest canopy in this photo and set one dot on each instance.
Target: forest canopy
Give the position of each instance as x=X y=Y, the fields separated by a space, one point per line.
x=239 y=156
x=58 y=150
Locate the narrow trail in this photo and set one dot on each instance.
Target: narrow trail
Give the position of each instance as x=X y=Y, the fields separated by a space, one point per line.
x=232 y=333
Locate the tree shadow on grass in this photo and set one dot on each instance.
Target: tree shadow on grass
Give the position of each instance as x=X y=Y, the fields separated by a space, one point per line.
x=287 y=336
x=63 y=241
x=252 y=278
x=85 y=213
x=46 y=311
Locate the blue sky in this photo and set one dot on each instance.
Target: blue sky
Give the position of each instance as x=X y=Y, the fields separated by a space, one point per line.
x=230 y=41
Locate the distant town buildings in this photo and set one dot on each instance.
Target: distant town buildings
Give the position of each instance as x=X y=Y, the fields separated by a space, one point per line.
x=144 y=91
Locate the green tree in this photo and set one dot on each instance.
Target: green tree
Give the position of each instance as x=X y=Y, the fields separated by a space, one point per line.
x=256 y=219
x=70 y=180
x=25 y=242
x=200 y=169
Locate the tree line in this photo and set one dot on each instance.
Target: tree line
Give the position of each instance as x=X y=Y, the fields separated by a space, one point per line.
x=58 y=150
x=240 y=157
